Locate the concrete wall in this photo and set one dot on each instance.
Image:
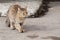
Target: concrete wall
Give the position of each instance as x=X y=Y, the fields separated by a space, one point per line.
x=32 y=5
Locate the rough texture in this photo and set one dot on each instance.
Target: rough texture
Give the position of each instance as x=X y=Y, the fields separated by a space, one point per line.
x=44 y=28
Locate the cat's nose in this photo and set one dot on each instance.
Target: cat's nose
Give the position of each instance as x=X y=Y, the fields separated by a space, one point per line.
x=26 y=17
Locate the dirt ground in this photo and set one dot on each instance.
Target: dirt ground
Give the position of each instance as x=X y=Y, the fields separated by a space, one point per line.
x=43 y=28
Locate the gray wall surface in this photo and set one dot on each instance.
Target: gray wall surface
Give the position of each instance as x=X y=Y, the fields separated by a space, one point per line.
x=32 y=5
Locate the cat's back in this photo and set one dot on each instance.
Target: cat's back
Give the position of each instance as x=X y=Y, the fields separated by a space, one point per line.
x=13 y=9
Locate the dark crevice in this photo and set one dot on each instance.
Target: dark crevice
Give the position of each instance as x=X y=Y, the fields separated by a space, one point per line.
x=41 y=10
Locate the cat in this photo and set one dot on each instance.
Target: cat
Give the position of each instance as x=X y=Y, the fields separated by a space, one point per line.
x=16 y=16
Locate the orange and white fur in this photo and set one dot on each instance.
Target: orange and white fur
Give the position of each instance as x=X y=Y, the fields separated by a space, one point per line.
x=16 y=16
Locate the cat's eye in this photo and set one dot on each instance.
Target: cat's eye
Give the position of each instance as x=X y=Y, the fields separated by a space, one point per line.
x=23 y=13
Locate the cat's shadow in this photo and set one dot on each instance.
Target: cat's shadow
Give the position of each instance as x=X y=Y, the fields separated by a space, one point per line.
x=34 y=28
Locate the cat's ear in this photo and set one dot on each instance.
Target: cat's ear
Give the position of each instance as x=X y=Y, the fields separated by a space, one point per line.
x=19 y=9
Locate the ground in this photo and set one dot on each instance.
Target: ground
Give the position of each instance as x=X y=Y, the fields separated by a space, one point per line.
x=43 y=28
